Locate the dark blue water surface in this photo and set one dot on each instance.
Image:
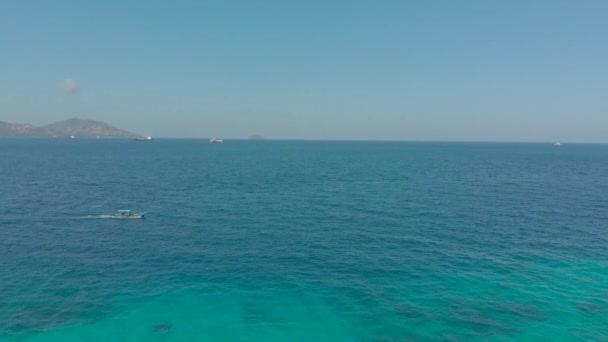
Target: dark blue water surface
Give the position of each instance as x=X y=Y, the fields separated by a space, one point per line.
x=301 y=241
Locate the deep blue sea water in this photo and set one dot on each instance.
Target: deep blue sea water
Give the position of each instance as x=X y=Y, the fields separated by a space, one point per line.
x=303 y=241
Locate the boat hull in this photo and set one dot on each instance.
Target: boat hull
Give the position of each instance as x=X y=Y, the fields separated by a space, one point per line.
x=134 y=216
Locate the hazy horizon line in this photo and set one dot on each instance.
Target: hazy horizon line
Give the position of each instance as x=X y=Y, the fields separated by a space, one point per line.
x=323 y=140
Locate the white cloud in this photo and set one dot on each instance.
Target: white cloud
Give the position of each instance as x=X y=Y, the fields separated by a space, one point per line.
x=68 y=85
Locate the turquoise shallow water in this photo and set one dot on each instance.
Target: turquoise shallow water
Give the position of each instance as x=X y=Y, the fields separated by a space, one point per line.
x=300 y=241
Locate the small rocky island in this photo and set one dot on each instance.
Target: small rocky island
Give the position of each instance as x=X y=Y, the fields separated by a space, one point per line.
x=68 y=128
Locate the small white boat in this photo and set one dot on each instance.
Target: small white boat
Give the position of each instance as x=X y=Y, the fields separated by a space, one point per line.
x=148 y=138
x=216 y=141
x=557 y=144
x=127 y=214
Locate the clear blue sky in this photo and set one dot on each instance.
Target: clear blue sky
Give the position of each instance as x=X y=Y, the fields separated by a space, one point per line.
x=431 y=70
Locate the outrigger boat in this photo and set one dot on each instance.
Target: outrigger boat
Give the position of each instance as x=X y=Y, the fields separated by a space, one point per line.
x=127 y=214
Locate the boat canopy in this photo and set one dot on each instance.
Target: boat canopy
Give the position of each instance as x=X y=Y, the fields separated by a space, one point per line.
x=124 y=211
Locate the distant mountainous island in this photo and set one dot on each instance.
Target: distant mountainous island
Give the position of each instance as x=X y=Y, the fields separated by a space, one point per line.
x=72 y=127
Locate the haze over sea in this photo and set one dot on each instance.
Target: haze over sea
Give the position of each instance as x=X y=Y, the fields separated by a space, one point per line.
x=303 y=241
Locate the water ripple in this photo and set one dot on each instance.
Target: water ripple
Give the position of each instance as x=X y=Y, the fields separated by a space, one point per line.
x=303 y=241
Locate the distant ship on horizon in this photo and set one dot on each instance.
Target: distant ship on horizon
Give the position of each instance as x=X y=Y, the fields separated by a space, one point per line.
x=148 y=138
x=216 y=141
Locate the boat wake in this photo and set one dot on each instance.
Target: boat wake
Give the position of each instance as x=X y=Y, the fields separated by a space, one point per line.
x=97 y=217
